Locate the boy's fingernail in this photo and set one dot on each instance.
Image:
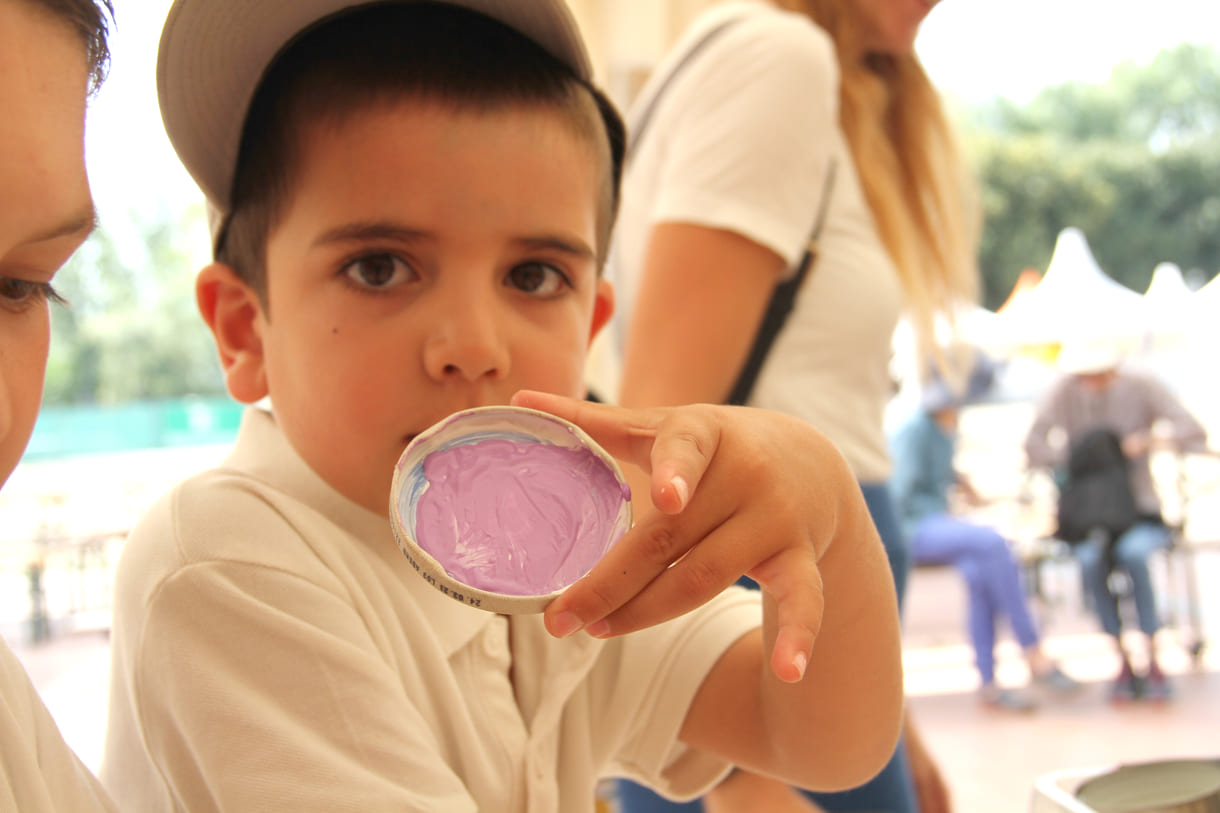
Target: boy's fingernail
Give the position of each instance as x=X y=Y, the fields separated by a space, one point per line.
x=565 y=624
x=598 y=629
x=681 y=489
x=801 y=661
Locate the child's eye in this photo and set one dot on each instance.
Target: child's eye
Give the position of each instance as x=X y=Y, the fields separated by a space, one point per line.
x=19 y=294
x=537 y=278
x=379 y=272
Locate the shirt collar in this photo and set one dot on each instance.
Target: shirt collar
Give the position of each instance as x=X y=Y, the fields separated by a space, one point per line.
x=265 y=453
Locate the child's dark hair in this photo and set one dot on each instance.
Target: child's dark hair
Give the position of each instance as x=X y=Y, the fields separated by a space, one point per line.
x=90 y=19
x=384 y=53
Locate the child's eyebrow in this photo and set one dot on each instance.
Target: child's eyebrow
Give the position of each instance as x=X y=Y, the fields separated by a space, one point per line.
x=81 y=223
x=351 y=232
x=573 y=246
x=378 y=230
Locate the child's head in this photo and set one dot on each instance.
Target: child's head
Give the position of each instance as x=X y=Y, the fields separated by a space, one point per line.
x=51 y=55
x=244 y=152
x=429 y=194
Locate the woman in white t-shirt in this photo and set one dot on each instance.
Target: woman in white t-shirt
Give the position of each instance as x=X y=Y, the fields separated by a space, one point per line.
x=719 y=201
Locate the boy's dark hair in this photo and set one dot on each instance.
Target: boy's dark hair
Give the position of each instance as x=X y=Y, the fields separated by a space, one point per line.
x=90 y=19
x=382 y=54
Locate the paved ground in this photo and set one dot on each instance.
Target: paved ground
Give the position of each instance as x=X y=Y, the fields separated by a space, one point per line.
x=991 y=760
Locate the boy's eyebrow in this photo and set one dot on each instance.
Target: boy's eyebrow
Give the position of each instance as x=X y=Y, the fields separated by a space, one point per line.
x=378 y=230
x=82 y=223
x=373 y=230
x=555 y=242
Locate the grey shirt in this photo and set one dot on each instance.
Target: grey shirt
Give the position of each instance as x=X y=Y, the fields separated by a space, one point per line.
x=1133 y=402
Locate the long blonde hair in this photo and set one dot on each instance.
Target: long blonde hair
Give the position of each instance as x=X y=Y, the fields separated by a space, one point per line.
x=914 y=177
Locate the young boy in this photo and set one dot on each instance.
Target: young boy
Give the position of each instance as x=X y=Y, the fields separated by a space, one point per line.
x=52 y=54
x=412 y=204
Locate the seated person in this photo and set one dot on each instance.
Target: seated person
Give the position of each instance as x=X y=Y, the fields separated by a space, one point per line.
x=1094 y=392
x=923 y=449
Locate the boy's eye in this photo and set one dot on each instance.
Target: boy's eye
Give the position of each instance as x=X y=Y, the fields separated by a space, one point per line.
x=536 y=278
x=378 y=271
x=19 y=294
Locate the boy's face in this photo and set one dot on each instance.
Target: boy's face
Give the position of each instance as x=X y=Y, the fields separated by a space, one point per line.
x=45 y=207
x=430 y=260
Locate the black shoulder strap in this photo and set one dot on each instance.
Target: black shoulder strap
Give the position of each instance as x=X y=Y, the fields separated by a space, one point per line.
x=782 y=300
x=784 y=296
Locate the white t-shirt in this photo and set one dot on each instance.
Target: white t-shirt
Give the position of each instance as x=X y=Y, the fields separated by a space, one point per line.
x=39 y=773
x=742 y=140
x=273 y=650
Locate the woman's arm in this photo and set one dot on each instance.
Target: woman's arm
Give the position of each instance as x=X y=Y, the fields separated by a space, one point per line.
x=703 y=293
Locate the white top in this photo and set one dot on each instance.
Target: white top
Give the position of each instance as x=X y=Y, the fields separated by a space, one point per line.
x=273 y=650
x=39 y=773
x=742 y=140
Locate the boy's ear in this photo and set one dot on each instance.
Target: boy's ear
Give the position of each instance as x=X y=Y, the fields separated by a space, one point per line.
x=603 y=307
x=234 y=313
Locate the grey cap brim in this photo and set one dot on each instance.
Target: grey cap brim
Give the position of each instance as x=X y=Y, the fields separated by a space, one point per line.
x=213 y=54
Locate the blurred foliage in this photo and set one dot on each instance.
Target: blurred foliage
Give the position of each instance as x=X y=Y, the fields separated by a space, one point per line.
x=1132 y=162
x=130 y=329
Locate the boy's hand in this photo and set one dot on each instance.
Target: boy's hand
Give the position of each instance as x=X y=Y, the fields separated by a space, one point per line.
x=739 y=490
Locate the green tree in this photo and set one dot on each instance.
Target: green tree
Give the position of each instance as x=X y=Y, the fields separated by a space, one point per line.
x=130 y=330
x=1131 y=162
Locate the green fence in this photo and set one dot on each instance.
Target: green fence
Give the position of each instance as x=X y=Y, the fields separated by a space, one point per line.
x=64 y=431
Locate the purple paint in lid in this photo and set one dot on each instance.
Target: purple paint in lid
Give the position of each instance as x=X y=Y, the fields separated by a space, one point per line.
x=502 y=508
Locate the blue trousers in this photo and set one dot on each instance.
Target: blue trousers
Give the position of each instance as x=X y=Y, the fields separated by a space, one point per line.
x=982 y=556
x=1130 y=555
x=891 y=790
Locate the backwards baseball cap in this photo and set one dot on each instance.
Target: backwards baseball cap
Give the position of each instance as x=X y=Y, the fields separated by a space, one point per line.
x=213 y=55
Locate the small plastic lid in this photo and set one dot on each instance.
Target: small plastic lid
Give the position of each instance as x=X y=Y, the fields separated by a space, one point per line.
x=502 y=508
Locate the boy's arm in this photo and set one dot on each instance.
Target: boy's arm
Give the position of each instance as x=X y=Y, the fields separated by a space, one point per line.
x=815 y=696
x=252 y=681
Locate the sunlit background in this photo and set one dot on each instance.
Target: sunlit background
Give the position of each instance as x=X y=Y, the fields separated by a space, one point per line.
x=1091 y=125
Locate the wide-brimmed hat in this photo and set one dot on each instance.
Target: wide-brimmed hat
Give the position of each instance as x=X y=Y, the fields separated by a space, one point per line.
x=936 y=393
x=1088 y=356
x=213 y=54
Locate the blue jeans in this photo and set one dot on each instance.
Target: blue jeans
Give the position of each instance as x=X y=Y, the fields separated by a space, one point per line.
x=982 y=556
x=891 y=790
x=1129 y=555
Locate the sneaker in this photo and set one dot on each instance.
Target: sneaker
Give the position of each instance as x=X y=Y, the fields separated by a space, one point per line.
x=1157 y=688
x=1058 y=681
x=1008 y=700
x=1126 y=687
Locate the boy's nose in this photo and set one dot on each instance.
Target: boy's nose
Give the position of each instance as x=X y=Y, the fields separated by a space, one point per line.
x=467 y=342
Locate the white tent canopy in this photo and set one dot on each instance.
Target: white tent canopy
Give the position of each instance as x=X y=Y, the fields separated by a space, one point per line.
x=1170 y=311
x=1208 y=297
x=1167 y=285
x=1075 y=297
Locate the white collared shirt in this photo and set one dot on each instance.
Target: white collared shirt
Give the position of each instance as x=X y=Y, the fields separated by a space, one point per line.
x=39 y=773
x=272 y=649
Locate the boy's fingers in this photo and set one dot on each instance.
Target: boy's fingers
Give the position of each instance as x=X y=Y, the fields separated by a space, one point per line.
x=676 y=446
x=793 y=580
x=643 y=554
x=681 y=453
x=625 y=434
